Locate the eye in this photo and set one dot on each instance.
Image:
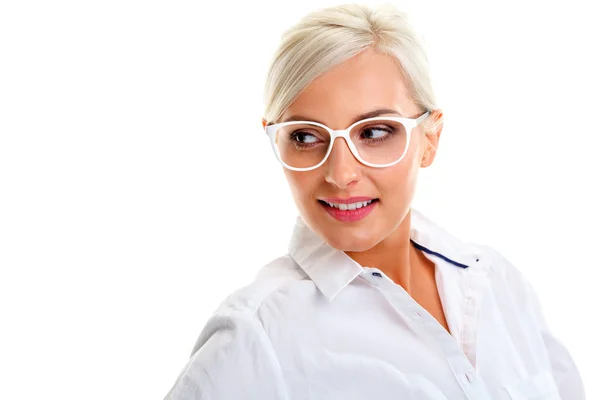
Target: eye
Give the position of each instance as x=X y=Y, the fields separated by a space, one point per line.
x=376 y=132
x=304 y=137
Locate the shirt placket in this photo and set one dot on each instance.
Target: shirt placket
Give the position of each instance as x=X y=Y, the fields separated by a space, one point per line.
x=474 y=283
x=435 y=334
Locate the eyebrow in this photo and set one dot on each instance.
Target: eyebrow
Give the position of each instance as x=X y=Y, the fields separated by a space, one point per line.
x=370 y=114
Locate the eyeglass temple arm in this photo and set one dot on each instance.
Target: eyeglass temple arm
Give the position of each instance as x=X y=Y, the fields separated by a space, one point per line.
x=422 y=117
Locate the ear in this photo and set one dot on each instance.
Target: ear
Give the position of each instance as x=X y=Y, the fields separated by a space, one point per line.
x=433 y=129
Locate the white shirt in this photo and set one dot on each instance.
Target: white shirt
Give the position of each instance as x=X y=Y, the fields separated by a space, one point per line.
x=317 y=325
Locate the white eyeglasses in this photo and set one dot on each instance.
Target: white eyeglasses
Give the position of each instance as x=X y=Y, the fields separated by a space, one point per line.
x=376 y=142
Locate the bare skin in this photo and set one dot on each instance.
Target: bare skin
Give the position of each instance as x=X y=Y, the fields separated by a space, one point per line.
x=367 y=82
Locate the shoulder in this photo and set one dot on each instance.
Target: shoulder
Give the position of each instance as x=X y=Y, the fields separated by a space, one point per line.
x=507 y=280
x=270 y=278
x=237 y=313
x=501 y=267
x=233 y=346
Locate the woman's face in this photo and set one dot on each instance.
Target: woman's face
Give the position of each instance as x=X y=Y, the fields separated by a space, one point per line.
x=367 y=82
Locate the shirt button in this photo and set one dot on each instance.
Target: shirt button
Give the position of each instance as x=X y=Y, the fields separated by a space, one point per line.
x=377 y=274
x=469 y=377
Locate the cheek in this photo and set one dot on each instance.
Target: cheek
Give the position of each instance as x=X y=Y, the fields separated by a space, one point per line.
x=401 y=178
x=301 y=183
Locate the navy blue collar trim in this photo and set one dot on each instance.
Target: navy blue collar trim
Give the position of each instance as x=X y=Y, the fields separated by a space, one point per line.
x=426 y=250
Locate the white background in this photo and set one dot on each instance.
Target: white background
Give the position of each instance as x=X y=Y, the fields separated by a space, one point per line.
x=137 y=189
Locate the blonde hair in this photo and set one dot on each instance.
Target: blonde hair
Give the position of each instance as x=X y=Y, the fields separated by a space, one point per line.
x=330 y=36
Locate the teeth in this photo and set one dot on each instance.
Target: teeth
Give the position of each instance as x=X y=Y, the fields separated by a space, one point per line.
x=352 y=206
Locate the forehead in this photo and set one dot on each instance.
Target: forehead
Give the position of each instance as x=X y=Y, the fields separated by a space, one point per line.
x=366 y=82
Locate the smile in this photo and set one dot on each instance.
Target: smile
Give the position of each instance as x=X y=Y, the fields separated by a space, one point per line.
x=350 y=206
x=349 y=212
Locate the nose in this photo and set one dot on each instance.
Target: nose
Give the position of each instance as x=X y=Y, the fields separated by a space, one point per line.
x=342 y=168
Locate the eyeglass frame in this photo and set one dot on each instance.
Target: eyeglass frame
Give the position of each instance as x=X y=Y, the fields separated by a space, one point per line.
x=408 y=123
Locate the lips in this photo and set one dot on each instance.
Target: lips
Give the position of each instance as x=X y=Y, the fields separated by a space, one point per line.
x=349 y=210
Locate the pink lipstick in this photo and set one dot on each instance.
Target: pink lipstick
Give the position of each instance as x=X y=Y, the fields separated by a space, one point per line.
x=349 y=210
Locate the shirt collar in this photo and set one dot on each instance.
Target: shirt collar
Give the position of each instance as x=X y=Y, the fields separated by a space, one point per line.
x=331 y=270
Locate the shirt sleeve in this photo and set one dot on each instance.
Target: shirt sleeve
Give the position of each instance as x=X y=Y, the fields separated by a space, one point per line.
x=565 y=372
x=232 y=359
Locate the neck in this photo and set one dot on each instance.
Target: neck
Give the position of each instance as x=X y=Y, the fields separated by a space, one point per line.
x=395 y=256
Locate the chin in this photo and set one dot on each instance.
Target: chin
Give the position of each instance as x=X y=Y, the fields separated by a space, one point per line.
x=354 y=240
x=354 y=237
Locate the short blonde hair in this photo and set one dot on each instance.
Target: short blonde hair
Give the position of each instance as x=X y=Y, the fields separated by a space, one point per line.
x=330 y=36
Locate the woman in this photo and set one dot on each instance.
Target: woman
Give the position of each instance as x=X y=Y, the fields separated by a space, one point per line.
x=374 y=300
